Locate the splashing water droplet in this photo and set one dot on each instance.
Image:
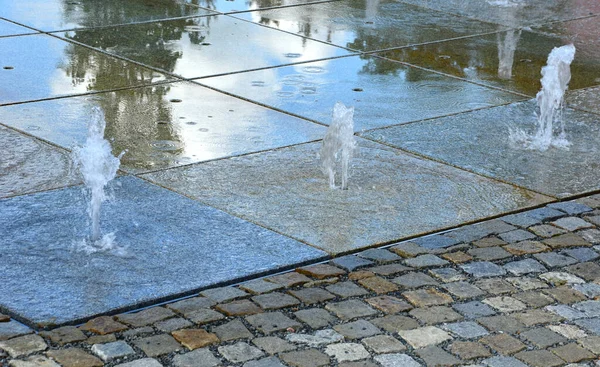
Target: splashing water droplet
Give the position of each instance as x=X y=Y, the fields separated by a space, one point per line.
x=339 y=144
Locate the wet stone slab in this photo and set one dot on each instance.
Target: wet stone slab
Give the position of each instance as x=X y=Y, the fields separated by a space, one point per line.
x=383 y=92
x=485 y=135
x=368 y=25
x=511 y=59
x=513 y=12
x=203 y=46
x=54 y=15
x=237 y=6
x=29 y=165
x=45 y=67
x=585 y=99
x=169 y=245
x=164 y=126
x=284 y=190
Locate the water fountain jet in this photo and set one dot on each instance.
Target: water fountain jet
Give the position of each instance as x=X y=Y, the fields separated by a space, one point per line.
x=339 y=144
x=555 y=80
x=98 y=167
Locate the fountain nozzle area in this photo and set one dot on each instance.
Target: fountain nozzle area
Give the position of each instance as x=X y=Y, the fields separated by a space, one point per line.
x=550 y=99
x=97 y=166
x=338 y=145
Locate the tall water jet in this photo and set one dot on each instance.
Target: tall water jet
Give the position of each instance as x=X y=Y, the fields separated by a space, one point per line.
x=338 y=145
x=97 y=166
x=550 y=100
x=506 y=52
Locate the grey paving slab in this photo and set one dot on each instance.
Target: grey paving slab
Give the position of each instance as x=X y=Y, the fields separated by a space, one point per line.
x=53 y=15
x=10 y=29
x=44 y=67
x=152 y=227
x=285 y=191
x=511 y=59
x=30 y=165
x=236 y=6
x=383 y=92
x=485 y=135
x=585 y=99
x=514 y=12
x=368 y=25
x=203 y=46
x=164 y=126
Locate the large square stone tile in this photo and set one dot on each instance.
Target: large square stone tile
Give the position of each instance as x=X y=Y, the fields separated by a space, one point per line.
x=515 y=13
x=383 y=92
x=512 y=59
x=165 y=125
x=173 y=246
x=54 y=15
x=479 y=141
x=391 y=195
x=29 y=165
x=368 y=25
x=42 y=66
x=203 y=46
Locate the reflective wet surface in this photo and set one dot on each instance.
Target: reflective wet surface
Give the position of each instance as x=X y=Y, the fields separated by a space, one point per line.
x=390 y=194
x=383 y=92
x=515 y=13
x=164 y=126
x=479 y=141
x=368 y=25
x=29 y=165
x=54 y=15
x=442 y=78
x=165 y=240
x=511 y=59
x=42 y=66
x=205 y=46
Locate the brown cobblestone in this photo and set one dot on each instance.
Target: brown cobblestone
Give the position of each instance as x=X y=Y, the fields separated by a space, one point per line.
x=239 y=308
x=103 y=325
x=572 y=353
x=74 y=357
x=321 y=271
x=195 y=338
x=457 y=257
x=526 y=247
x=289 y=279
x=427 y=297
x=503 y=343
x=389 y=304
x=566 y=240
x=378 y=285
x=469 y=350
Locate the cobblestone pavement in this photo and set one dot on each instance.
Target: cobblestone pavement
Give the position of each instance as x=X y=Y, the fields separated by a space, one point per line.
x=520 y=290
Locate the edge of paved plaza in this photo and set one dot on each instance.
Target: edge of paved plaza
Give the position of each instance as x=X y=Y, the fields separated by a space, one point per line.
x=519 y=290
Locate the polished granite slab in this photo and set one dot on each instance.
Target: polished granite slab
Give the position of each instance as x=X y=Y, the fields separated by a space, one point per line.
x=383 y=92
x=10 y=29
x=164 y=125
x=28 y=165
x=54 y=15
x=585 y=99
x=479 y=141
x=514 y=13
x=391 y=195
x=165 y=245
x=512 y=59
x=203 y=46
x=368 y=25
x=42 y=66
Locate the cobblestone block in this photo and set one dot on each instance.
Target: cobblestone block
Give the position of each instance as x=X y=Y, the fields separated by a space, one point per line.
x=357 y=330
x=581 y=253
x=102 y=325
x=559 y=278
x=64 y=335
x=232 y=330
x=516 y=235
x=489 y=242
x=474 y=309
x=591 y=325
x=265 y=362
x=197 y=358
x=425 y=261
x=275 y=300
x=195 y=338
x=564 y=295
x=571 y=207
x=590 y=290
x=503 y=343
x=378 y=285
x=539 y=358
x=393 y=323
x=146 y=317
x=203 y=316
x=347 y=310
x=161 y=344
x=273 y=344
x=483 y=269
x=502 y=361
x=306 y=358
x=526 y=247
x=289 y=279
x=591 y=343
x=502 y=323
x=33 y=361
x=469 y=350
x=312 y=295
x=505 y=304
x=466 y=330
x=240 y=352
x=527 y=283
x=109 y=351
x=321 y=271
x=546 y=230
x=522 y=267
x=572 y=353
x=553 y=259
x=457 y=257
x=224 y=294
x=172 y=324
x=346 y=289
x=260 y=286
x=589 y=271
x=396 y=360
x=424 y=337
x=536 y=317
x=489 y=253
x=389 y=304
x=193 y=304
x=572 y=223
x=271 y=322
x=408 y=249
x=414 y=280
x=316 y=318
x=379 y=255
x=435 y=241
x=495 y=286
x=389 y=269
x=447 y=275
x=566 y=240
x=23 y=345
x=436 y=356
x=321 y=337
x=144 y=362
x=239 y=308
x=568 y=331
x=543 y=337
x=74 y=357
x=343 y=352
x=383 y=344
x=463 y=290
x=427 y=297
x=351 y=262
x=435 y=315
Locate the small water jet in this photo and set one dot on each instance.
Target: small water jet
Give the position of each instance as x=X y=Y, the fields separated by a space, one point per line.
x=338 y=145
x=555 y=80
x=98 y=167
